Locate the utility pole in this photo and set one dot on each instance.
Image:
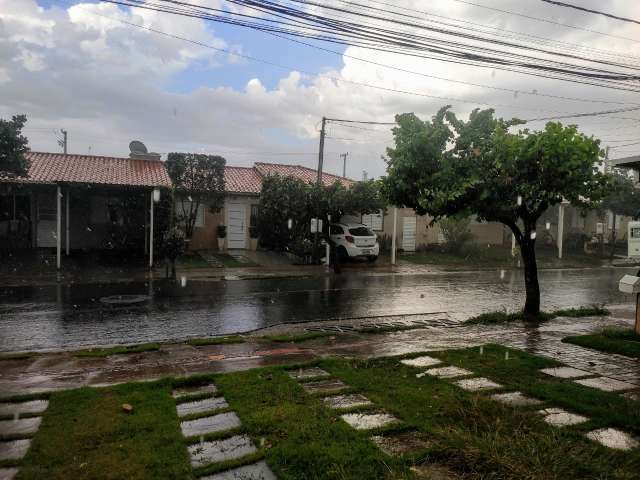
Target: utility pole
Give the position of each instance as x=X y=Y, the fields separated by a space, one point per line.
x=63 y=142
x=344 y=163
x=319 y=184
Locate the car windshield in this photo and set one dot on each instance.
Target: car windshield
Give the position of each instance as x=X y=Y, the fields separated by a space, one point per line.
x=361 y=232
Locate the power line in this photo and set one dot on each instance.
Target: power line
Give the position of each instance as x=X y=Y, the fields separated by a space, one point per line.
x=588 y=114
x=303 y=24
x=589 y=10
x=546 y=20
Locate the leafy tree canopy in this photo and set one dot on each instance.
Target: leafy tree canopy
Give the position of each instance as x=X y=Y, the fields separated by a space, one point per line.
x=623 y=198
x=13 y=146
x=447 y=166
x=198 y=179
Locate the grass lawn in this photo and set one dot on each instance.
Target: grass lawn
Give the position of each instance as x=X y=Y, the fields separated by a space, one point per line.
x=85 y=433
x=230 y=262
x=198 y=342
x=191 y=260
x=105 y=352
x=506 y=317
x=478 y=257
x=620 y=341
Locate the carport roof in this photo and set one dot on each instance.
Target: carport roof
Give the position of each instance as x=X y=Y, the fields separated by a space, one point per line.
x=51 y=168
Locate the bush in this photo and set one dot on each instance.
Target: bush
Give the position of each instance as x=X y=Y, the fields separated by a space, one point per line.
x=456 y=233
x=221 y=231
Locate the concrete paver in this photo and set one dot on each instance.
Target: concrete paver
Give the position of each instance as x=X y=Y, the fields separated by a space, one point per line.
x=200 y=406
x=212 y=424
x=14 y=449
x=231 y=448
x=254 y=471
x=368 y=421
x=613 y=438
x=477 y=384
x=606 y=384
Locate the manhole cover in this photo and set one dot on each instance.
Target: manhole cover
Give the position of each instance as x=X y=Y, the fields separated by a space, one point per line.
x=125 y=299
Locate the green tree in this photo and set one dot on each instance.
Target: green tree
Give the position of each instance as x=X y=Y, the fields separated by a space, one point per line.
x=623 y=199
x=447 y=166
x=455 y=232
x=13 y=146
x=198 y=179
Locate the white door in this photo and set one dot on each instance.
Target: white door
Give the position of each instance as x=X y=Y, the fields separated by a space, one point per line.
x=236 y=226
x=409 y=234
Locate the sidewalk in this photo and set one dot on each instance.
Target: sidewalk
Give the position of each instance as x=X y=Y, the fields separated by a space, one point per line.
x=62 y=370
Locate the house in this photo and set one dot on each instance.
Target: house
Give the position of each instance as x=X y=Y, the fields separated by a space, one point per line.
x=242 y=196
x=82 y=202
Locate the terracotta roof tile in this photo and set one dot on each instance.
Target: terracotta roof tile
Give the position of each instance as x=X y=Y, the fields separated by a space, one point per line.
x=67 y=168
x=242 y=180
x=298 y=171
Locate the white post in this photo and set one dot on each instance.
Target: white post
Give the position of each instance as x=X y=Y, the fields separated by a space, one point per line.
x=66 y=237
x=58 y=227
x=151 y=231
x=513 y=245
x=560 y=229
x=393 y=237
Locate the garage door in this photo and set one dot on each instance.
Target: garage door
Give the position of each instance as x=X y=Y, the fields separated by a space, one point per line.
x=236 y=230
x=409 y=234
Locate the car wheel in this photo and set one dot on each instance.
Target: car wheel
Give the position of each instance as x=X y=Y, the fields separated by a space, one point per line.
x=372 y=258
x=342 y=254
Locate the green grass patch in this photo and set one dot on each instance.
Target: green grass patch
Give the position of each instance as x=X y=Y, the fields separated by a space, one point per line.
x=298 y=337
x=191 y=260
x=302 y=438
x=200 y=342
x=491 y=318
x=17 y=356
x=620 y=341
x=85 y=434
x=594 y=311
x=105 y=352
x=231 y=262
x=481 y=438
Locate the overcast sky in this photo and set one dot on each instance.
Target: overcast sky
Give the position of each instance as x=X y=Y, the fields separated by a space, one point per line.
x=72 y=65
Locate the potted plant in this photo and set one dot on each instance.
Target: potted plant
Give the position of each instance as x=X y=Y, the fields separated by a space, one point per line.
x=221 y=230
x=253 y=237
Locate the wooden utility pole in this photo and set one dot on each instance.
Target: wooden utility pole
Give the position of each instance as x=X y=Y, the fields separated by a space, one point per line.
x=344 y=163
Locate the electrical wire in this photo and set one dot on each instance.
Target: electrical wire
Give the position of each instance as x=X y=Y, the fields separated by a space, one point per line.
x=589 y=10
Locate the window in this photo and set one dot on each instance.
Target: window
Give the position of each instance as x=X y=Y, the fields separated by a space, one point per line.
x=336 y=230
x=184 y=208
x=255 y=211
x=361 y=232
x=374 y=221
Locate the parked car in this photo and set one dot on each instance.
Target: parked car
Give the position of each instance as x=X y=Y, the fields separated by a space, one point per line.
x=354 y=240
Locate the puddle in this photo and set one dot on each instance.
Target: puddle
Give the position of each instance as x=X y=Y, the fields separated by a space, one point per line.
x=477 y=384
x=230 y=448
x=324 y=386
x=304 y=373
x=424 y=361
x=566 y=372
x=367 y=421
x=346 y=401
x=200 y=406
x=448 y=372
x=400 y=443
x=215 y=423
x=516 y=399
x=34 y=406
x=606 y=384
x=23 y=425
x=255 y=471
x=612 y=438
x=188 y=391
x=14 y=450
x=8 y=473
x=561 y=418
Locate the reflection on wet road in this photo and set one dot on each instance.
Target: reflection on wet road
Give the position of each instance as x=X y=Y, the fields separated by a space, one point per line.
x=72 y=316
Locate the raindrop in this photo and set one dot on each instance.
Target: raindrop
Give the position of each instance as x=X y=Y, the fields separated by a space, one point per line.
x=501 y=274
x=481 y=349
x=519 y=200
x=547 y=225
x=533 y=235
x=506 y=355
x=183 y=281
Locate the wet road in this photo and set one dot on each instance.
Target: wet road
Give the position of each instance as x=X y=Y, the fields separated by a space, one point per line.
x=72 y=316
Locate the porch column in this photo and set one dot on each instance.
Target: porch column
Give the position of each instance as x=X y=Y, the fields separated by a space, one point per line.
x=151 y=230
x=58 y=227
x=393 y=237
x=66 y=237
x=560 y=229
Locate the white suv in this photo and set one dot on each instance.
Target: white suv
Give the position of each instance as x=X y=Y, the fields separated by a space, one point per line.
x=354 y=240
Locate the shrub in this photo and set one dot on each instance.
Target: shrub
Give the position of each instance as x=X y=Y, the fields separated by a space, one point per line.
x=456 y=233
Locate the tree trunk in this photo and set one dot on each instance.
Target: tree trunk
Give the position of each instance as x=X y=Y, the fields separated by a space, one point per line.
x=532 y=287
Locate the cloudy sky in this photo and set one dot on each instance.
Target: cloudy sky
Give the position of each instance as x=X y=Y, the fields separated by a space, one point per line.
x=78 y=66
